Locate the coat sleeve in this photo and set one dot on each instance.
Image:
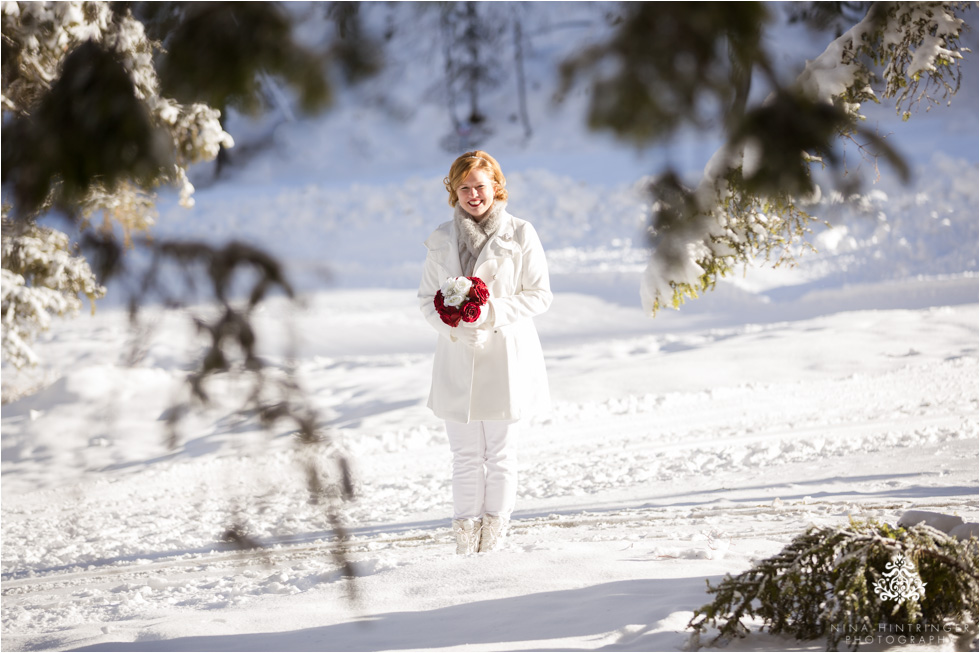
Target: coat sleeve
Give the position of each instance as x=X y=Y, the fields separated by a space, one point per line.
x=433 y=274
x=533 y=295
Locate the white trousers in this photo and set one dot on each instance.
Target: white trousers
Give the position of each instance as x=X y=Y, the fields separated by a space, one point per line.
x=484 y=467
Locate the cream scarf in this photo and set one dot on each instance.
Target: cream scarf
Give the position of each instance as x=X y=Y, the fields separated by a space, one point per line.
x=473 y=235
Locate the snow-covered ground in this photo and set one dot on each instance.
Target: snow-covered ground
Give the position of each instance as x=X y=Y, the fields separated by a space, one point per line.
x=670 y=458
x=679 y=449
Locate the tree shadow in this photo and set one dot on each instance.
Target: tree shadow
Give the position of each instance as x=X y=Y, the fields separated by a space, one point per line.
x=593 y=611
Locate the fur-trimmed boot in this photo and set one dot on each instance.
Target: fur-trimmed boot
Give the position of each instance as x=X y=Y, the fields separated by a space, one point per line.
x=467 y=532
x=492 y=533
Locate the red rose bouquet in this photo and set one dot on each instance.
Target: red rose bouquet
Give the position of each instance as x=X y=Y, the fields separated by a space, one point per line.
x=460 y=298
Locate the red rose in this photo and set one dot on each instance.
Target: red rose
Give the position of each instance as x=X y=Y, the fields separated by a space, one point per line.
x=451 y=317
x=447 y=314
x=469 y=311
x=479 y=291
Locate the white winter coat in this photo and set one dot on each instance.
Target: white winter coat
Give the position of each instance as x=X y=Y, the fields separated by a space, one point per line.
x=505 y=379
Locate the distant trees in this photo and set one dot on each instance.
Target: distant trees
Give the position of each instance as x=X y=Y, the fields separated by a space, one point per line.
x=469 y=45
x=483 y=49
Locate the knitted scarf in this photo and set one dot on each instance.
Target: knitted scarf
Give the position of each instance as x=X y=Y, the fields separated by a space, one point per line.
x=473 y=235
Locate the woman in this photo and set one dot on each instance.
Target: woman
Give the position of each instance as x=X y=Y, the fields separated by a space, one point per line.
x=488 y=374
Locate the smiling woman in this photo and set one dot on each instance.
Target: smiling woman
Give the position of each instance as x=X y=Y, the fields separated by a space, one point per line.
x=488 y=373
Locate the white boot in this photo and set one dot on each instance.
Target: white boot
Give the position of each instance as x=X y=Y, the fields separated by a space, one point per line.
x=492 y=533
x=467 y=532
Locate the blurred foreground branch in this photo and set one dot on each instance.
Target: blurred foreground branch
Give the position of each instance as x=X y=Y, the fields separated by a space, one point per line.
x=672 y=66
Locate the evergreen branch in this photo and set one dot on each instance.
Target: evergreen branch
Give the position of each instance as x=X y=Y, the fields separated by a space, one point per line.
x=825 y=584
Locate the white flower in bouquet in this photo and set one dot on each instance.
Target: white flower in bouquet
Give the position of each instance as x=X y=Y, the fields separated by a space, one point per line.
x=455 y=290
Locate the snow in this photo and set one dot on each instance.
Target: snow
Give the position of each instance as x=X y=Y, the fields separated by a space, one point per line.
x=679 y=449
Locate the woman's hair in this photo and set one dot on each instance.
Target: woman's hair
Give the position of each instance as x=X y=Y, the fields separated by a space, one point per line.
x=469 y=162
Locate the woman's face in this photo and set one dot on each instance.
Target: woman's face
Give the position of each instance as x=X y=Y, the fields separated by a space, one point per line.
x=475 y=192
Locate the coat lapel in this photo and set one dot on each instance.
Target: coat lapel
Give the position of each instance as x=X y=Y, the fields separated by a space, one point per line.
x=443 y=246
x=501 y=245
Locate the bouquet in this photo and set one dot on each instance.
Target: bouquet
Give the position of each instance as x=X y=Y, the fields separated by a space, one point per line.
x=460 y=298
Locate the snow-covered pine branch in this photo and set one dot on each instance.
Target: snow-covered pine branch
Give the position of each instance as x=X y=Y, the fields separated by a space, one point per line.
x=827 y=583
x=753 y=197
x=41 y=278
x=40 y=36
x=43 y=34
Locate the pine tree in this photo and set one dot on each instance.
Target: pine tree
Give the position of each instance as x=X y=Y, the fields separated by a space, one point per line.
x=675 y=65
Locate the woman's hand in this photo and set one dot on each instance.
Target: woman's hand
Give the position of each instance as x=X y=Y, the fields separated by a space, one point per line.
x=472 y=338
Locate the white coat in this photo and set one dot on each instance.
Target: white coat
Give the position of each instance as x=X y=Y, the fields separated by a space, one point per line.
x=506 y=378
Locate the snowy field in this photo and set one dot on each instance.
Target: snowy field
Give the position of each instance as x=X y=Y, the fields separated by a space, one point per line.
x=679 y=448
